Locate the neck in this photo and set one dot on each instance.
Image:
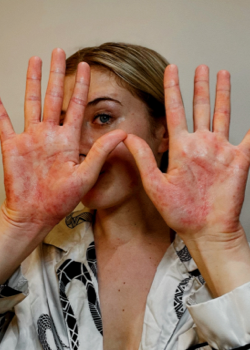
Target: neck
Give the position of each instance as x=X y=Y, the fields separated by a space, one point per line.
x=135 y=220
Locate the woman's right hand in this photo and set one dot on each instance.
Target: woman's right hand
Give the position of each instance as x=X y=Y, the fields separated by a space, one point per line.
x=44 y=179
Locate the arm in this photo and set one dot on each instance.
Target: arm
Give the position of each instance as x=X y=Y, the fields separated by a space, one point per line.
x=44 y=179
x=202 y=193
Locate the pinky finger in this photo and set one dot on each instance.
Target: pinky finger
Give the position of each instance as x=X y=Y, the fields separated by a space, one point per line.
x=6 y=128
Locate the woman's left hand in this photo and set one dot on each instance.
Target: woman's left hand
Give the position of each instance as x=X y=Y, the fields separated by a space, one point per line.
x=201 y=195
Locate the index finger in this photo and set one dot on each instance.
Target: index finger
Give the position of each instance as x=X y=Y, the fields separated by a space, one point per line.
x=176 y=120
x=6 y=128
x=221 y=121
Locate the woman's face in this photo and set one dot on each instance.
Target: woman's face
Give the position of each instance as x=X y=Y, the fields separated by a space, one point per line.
x=110 y=107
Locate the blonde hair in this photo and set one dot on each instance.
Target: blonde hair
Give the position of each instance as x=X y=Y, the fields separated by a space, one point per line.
x=138 y=69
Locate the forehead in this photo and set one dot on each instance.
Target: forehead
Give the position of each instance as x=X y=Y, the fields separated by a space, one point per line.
x=103 y=83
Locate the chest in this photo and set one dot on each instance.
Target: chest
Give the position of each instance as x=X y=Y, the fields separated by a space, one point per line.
x=125 y=277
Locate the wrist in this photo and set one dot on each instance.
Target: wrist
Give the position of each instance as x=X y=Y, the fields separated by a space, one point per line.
x=18 y=238
x=13 y=224
x=212 y=238
x=222 y=258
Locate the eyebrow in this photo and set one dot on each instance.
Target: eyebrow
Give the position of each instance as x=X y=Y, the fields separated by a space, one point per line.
x=95 y=102
x=104 y=98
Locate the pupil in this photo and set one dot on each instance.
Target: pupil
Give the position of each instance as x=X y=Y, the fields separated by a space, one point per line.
x=104 y=118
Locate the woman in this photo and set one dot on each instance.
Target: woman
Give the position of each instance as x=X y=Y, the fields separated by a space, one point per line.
x=101 y=141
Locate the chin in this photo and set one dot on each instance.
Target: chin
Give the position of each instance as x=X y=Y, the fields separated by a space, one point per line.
x=96 y=200
x=108 y=198
x=113 y=188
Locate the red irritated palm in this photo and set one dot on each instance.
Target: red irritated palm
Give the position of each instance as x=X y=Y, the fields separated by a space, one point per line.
x=44 y=179
x=203 y=189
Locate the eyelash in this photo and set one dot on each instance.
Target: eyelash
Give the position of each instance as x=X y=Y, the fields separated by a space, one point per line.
x=103 y=115
x=95 y=118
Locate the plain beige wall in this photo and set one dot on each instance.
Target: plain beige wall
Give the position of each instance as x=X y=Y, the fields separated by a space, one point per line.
x=188 y=33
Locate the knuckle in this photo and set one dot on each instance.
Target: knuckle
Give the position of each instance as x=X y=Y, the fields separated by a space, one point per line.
x=98 y=144
x=199 y=80
x=174 y=107
x=54 y=93
x=222 y=111
x=57 y=71
x=82 y=82
x=33 y=98
x=171 y=84
x=79 y=101
x=3 y=115
x=34 y=78
x=201 y=100
x=100 y=147
x=223 y=90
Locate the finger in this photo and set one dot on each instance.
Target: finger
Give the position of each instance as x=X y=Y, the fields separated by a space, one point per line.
x=201 y=101
x=90 y=168
x=221 y=119
x=54 y=94
x=176 y=120
x=6 y=128
x=145 y=161
x=32 y=103
x=244 y=146
x=154 y=181
x=79 y=98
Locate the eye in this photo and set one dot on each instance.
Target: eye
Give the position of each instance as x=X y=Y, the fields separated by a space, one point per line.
x=102 y=119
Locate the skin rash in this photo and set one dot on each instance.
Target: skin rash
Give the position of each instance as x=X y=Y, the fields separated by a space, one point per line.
x=204 y=186
x=201 y=175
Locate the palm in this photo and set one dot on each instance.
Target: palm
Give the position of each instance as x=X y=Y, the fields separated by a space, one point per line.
x=205 y=186
x=38 y=172
x=205 y=182
x=43 y=178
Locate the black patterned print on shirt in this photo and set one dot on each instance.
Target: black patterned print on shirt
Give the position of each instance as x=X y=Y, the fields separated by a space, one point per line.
x=68 y=271
x=178 y=296
x=184 y=254
x=6 y=291
x=201 y=279
x=196 y=273
x=91 y=258
x=2 y=321
x=72 y=220
x=44 y=323
x=5 y=320
x=201 y=346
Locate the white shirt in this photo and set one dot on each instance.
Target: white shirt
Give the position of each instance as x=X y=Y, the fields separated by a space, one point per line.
x=52 y=301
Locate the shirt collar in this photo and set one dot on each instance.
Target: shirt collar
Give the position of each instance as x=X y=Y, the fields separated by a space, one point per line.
x=71 y=229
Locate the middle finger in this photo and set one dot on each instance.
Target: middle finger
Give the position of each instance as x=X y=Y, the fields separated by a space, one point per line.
x=54 y=93
x=201 y=101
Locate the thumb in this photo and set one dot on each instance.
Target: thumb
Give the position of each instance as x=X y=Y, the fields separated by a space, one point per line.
x=90 y=168
x=146 y=163
x=244 y=146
